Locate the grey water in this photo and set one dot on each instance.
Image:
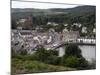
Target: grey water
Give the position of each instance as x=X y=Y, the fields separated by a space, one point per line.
x=88 y=52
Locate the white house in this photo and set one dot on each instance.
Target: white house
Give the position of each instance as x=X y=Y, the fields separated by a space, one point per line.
x=84 y=30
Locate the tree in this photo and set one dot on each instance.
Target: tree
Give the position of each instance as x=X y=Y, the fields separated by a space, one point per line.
x=41 y=54
x=72 y=50
x=73 y=57
x=13 y=24
x=46 y=56
x=59 y=28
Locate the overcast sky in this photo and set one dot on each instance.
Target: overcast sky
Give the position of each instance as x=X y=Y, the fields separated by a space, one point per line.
x=16 y=4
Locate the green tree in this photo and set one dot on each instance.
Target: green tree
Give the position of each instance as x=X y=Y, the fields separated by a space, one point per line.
x=41 y=54
x=47 y=56
x=72 y=50
x=13 y=24
x=73 y=57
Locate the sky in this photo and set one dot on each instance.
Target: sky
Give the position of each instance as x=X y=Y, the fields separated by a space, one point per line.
x=17 y=4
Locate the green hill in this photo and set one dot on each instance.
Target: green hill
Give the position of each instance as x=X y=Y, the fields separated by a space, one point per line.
x=18 y=12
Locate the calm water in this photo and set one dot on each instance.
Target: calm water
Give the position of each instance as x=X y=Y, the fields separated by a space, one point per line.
x=88 y=52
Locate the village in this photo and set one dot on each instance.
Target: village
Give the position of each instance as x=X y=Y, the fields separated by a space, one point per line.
x=30 y=40
x=53 y=39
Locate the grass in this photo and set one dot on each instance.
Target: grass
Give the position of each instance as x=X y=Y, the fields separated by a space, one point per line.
x=28 y=66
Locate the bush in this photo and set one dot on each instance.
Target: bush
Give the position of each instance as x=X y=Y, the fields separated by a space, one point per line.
x=23 y=52
x=41 y=54
x=46 y=56
x=13 y=53
x=83 y=64
x=52 y=59
x=53 y=52
x=72 y=61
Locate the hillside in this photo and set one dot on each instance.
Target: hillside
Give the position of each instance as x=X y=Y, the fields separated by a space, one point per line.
x=75 y=9
x=16 y=12
x=22 y=67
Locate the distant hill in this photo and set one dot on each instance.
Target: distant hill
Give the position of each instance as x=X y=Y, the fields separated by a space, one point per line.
x=16 y=12
x=76 y=9
x=86 y=15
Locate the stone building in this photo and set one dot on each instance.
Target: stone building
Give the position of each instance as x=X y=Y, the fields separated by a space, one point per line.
x=70 y=36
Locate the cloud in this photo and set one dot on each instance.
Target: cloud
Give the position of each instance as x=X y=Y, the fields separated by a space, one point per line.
x=17 y=4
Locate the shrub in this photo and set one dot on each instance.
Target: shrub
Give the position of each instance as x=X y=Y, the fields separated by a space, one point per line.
x=13 y=53
x=83 y=64
x=41 y=54
x=72 y=61
x=53 y=52
x=52 y=59
x=23 y=52
x=46 y=56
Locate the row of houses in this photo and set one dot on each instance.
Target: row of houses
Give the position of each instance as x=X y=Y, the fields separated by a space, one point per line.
x=30 y=39
x=83 y=40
